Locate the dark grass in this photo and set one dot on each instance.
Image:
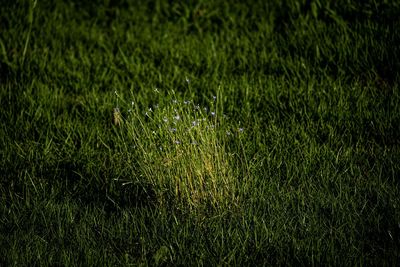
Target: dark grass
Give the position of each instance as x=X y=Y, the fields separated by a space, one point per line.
x=315 y=88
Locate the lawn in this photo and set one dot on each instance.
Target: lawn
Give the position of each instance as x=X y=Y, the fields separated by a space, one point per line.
x=199 y=133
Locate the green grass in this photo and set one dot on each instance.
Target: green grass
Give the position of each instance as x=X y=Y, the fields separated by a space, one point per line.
x=295 y=162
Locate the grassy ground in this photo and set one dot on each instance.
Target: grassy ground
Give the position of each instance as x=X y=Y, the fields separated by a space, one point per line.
x=204 y=133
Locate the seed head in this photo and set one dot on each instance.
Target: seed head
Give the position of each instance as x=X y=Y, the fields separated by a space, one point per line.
x=117 y=118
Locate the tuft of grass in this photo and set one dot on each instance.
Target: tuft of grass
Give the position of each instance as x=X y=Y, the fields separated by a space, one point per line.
x=182 y=150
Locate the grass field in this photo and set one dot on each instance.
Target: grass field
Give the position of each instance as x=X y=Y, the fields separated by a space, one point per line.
x=199 y=133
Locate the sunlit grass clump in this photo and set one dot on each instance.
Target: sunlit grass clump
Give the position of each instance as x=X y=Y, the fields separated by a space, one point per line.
x=181 y=150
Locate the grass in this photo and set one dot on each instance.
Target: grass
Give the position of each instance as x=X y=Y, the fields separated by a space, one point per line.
x=181 y=147
x=114 y=150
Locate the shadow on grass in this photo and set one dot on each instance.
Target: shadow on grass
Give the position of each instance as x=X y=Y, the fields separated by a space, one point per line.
x=110 y=194
x=5 y=72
